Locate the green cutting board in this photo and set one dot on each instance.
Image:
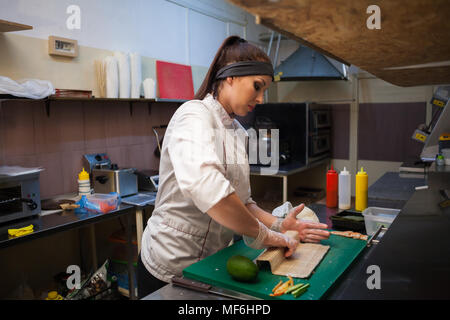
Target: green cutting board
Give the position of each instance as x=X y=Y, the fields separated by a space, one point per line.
x=213 y=270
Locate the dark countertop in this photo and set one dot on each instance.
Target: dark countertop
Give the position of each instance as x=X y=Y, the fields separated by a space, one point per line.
x=413 y=255
x=56 y=222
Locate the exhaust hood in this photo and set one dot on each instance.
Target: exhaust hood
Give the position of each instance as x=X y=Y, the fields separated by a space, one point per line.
x=305 y=64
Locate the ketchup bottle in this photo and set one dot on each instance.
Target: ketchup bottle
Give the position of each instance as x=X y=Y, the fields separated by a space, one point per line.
x=332 y=188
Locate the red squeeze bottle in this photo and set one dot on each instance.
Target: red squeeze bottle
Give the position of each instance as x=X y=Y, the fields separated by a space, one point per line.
x=332 y=188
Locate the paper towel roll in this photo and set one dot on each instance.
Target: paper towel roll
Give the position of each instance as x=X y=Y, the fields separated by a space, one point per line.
x=136 y=75
x=112 y=77
x=149 y=88
x=123 y=60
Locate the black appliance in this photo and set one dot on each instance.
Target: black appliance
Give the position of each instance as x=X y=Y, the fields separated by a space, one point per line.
x=291 y=121
x=319 y=132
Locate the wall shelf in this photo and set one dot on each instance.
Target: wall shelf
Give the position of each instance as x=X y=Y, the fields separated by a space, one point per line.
x=8 y=26
x=130 y=102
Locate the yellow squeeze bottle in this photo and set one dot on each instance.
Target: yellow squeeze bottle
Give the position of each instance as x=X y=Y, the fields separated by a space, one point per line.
x=84 y=186
x=361 y=191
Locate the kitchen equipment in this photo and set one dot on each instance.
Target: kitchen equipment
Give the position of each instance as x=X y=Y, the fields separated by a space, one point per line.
x=122 y=181
x=19 y=193
x=203 y=287
x=374 y=217
x=361 y=190
x=159 y=142
x=319 y=126
x=107 y=177
x=264 y=127
x=148 y=180
x=212 y=269
x=292 y=121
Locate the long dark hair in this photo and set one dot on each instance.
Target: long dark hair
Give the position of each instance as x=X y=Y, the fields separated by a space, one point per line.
x=233 y=49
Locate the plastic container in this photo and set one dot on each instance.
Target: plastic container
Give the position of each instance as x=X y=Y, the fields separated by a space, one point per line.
x=375 y=217
x=344 y=190
x=98 y=202
x=332 y=188
x=361 y=190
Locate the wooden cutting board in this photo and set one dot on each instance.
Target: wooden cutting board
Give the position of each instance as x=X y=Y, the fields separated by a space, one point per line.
x=212 y=270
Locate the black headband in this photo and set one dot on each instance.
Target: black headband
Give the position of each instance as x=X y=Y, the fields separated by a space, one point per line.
x=245 y=68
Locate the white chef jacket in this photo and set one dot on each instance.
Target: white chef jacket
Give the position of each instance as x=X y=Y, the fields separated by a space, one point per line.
x=203 y=160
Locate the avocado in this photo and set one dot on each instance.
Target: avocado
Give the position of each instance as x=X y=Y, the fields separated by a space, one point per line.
x=242 y=268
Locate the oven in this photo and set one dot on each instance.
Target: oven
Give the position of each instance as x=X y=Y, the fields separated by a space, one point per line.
x=319 y=132
x=19 y=196
x=319 y=143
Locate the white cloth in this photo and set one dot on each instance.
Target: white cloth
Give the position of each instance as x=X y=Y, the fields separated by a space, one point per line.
x=26 y=88
x=306 y=214
x=112 y=77
x=136 y=75
x=123 y=60
x=193 y=178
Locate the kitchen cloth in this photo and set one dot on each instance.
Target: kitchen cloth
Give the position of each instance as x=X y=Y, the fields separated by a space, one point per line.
x=26 y=88
x=123 y=61
x=299 y=265
x=136 y=75
x=306 y=214
x=112 y=77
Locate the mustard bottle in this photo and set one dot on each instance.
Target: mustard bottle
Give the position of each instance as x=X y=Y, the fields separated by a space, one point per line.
x=361 y=190
x=84 y=186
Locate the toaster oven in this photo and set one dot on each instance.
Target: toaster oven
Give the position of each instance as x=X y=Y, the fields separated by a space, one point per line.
x=19 y=196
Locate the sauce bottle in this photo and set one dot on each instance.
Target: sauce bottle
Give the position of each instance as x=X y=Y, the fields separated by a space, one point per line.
x=332 y=188
x=361 y=187
x=84 y=185
x=344 y=190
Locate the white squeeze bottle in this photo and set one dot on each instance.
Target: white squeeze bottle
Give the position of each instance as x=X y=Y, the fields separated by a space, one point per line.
x=344 y=190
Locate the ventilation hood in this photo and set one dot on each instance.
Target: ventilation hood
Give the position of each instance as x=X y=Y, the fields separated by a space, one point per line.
x=305 y=64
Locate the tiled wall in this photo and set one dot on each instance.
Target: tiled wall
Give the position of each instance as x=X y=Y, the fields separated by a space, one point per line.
x=28 y=137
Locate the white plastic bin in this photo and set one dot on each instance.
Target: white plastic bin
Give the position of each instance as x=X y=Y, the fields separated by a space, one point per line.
x=374 y=217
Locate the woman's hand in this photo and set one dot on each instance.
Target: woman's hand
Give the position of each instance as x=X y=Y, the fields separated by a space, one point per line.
x=277 y=239
x=307 y=231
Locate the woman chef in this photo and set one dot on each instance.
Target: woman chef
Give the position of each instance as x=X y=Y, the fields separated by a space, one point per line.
x=203 y=198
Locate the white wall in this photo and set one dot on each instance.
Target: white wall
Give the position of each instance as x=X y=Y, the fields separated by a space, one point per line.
x=181 y=31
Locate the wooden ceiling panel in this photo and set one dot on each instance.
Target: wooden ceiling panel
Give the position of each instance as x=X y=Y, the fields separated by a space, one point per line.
x=412 y=32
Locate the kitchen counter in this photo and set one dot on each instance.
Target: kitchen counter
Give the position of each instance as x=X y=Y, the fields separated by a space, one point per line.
x=47 y=224
x=413 y=255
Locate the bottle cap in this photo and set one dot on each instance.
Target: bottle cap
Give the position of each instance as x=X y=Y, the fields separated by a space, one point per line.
x=331 y=170
x=344 y=172
x=362 y=172
x=83 y=175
